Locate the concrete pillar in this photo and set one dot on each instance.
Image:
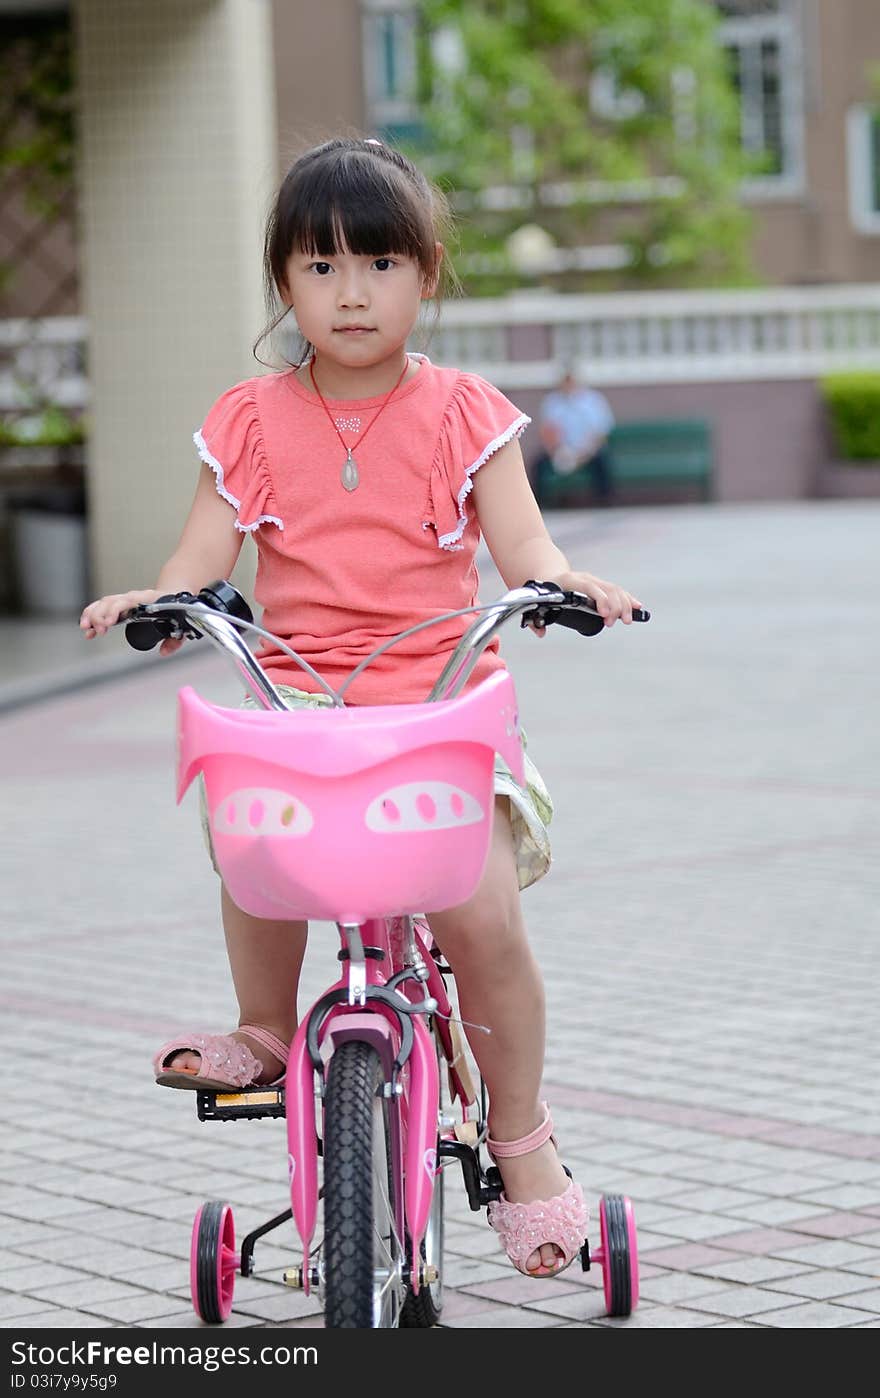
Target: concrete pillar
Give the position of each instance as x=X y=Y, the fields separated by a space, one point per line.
x=178 y=165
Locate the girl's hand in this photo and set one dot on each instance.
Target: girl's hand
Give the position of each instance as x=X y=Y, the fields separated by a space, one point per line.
x=613 y=603
x=99 y=616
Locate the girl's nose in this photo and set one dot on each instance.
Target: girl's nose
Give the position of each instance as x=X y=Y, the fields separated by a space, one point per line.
x=352 y=292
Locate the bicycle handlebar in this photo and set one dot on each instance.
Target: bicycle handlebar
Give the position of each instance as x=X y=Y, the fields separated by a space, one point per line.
x=220 y=613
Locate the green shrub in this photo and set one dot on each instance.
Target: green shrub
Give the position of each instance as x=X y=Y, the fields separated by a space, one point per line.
x=853 y=401
x=47 y=427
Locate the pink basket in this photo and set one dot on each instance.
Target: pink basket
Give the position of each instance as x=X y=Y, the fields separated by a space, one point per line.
x=349 y=814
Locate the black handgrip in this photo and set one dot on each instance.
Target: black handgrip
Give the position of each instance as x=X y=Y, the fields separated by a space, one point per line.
x=585 y=622
x=589 y=625
x=145 y=632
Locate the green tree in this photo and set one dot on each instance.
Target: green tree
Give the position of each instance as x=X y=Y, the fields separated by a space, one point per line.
x=37 y=137
x=609 y=120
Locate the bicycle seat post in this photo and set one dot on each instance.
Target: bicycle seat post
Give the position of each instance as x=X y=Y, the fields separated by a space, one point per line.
x=357 y=963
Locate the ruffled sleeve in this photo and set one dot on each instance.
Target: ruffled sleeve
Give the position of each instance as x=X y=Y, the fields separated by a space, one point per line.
x=230 y=441
x=477 y=422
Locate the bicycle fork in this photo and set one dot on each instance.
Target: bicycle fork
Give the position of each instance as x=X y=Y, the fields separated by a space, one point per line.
x=363 y=1005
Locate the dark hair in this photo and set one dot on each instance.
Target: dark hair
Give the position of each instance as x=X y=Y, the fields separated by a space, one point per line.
x=355 y=194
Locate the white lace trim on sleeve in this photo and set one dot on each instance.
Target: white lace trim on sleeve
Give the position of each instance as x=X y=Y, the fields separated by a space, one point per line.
x=451 y=541
x=209 y=460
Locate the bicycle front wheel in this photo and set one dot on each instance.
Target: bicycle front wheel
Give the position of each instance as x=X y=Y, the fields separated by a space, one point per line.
x=363 y=1252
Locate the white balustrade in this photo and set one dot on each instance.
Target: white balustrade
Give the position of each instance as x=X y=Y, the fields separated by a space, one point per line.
x=613 y=338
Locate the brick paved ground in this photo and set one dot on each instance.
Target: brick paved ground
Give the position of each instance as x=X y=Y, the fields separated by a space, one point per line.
x=708 y=934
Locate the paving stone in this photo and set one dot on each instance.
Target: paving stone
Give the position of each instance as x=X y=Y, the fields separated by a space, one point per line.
x=188 y=1320
x=831 y=1254
x=823 y=1285
x=778 y=1212
x=740 y=1302
x=12 y=1305
x=752 y=1270
x=817 y=1315
x=865 y=1300
x=760 y=1240
x=132 y=1310
x=518 y=1290
x=82 y=1294
x=678 y=1286
x=839 y=1225
x=737 y=1325
x=694 y=1227
x=869 y=1267
x=505 y=1318
x=844 y=1196
x=690 y=1257
x=39 y=1276
x=657 y=1318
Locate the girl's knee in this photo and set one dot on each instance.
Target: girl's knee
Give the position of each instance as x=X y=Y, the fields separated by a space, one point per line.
x=490 y=920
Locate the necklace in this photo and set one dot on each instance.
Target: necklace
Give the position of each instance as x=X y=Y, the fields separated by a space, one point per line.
x=350 y=476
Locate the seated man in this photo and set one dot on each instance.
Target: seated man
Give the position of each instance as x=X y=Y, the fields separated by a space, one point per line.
x=575 y=423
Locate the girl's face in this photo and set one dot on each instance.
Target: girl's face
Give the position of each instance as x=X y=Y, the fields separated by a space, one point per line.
x=355 y=308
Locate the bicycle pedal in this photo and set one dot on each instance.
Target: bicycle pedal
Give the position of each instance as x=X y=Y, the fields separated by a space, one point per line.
x=254 y=1105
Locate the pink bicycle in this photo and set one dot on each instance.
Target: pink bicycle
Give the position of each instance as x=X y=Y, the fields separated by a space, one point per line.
x=359 y=816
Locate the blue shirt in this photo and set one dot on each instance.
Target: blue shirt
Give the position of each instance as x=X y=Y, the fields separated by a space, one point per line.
x=578 y=416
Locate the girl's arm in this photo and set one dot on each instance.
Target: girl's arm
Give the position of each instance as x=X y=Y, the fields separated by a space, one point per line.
x=518 y=541
x=209 y=547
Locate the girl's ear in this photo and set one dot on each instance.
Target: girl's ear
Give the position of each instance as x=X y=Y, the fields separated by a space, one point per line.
x=429 y=288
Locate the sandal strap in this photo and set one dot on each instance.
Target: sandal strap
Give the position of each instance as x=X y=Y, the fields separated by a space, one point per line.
x=500 y=1150
x=269 y=1040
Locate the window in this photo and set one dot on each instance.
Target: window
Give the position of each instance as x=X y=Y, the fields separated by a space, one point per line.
x=390 y=68
x=863 y=152
x=762 y=43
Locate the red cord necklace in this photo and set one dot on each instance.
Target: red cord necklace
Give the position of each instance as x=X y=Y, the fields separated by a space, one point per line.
x=350 y=476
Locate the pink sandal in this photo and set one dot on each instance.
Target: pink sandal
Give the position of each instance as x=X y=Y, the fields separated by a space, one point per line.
x=225 y=1062
x=523 y=1228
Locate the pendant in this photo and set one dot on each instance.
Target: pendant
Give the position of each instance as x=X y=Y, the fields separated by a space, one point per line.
x=350 y=478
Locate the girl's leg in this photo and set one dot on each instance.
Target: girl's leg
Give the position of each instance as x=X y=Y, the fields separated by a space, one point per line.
x=265 y=958
x=499 y=985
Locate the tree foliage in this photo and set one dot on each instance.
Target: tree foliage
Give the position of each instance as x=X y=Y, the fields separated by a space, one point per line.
x=613 y=119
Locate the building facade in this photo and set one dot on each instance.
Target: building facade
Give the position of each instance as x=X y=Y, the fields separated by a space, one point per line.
x=810 y=111
x=188 y=109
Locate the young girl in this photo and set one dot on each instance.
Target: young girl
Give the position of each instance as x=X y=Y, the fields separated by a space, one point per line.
x=366 y=476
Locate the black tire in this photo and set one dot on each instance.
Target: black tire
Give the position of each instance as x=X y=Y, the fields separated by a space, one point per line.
x=212 y=1278
x=618 y=1260
x=360 y=1239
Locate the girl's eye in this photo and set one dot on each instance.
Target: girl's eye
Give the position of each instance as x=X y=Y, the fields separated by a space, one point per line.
x=321 y=268
x=382 y=264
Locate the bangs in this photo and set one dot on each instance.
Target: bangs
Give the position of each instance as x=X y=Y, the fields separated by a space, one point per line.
x=359 y=204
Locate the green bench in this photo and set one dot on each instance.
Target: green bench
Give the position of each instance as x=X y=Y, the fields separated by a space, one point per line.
x=653 y=452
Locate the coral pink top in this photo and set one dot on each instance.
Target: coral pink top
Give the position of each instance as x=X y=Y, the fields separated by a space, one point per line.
x=340 y=572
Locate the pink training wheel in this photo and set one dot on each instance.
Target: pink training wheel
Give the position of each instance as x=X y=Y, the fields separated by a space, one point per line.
x=620 y=1254
x=213 y=1262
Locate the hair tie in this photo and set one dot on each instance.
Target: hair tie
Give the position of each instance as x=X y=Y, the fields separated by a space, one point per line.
x=371 y=141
